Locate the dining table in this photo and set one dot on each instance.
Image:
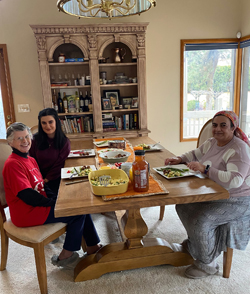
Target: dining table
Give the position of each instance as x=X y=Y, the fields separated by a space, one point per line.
x=136 y=250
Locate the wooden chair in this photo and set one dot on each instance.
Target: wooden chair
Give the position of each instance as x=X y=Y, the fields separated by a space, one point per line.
x=34 y=129
x=205 y=133
x=35 y=237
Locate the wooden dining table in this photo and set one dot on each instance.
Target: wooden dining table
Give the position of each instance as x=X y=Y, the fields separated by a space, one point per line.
x=136 y=250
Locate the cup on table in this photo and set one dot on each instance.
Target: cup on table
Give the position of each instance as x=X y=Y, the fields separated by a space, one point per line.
x=126 y=166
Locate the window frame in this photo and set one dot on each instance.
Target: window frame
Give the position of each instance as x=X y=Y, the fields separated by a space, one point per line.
x=237 y=79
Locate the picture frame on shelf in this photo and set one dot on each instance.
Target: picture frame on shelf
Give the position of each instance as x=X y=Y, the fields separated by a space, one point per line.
x=134 y=102
x=113 y=96
x=126 y=102
x=106 y=105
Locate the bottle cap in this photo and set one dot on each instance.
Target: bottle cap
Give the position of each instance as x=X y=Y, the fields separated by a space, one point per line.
x=139 y=152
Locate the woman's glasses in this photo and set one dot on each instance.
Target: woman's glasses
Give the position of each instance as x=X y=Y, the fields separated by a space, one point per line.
x=20 y=139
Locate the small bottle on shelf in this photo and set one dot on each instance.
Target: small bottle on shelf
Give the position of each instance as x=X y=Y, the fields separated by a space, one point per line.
x=77 y=101
x=81 y=102
x=140 y=171
x=86 y=102
x=71 y=103
x=65 y=103
x=54 y=100
x=90 y=106
x=60 y=103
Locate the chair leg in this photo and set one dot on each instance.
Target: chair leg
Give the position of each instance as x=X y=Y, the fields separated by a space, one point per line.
x=162 y=210
x=4 y=249
x=41 y=267
x=227 y=262
x=84 y=245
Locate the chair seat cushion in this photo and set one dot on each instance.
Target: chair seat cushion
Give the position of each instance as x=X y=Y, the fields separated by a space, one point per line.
x=34 y=234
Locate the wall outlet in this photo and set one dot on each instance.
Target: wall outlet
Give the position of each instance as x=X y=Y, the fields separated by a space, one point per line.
x=23 y=108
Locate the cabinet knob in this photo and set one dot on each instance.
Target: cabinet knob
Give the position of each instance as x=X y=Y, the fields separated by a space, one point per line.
x=9 y=123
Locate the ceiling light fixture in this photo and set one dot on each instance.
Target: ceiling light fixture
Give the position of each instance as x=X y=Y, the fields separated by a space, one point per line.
x=104 y=8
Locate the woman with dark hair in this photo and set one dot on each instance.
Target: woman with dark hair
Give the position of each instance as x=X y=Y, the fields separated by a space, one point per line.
x=50 y=147
x=215 y=225
x=31 y=203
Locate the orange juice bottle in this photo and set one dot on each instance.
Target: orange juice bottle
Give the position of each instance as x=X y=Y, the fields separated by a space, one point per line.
x=140 y=172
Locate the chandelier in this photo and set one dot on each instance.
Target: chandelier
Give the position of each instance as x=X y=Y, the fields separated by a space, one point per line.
x=104 y=8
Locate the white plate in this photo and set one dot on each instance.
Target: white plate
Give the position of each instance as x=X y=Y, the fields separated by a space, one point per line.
x=178 y=166
x=109 y=149
x=66 y=175
x=74 y=153
x=157 y=147
x=104 y=143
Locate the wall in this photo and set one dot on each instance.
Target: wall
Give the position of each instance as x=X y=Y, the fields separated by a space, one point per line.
x=169 y=22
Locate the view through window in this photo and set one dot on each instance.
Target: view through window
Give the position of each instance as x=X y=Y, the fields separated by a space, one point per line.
x=208 y=84
x=245 y=90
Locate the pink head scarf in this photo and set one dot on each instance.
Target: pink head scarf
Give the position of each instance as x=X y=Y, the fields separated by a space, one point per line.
x=235 y=120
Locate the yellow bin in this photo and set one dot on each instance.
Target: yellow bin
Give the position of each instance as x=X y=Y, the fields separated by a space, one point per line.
x=112 y=190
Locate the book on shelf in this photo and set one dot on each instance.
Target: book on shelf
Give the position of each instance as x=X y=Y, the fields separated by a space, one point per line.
x=109 y=129
x=107 y=116
x=77 y=124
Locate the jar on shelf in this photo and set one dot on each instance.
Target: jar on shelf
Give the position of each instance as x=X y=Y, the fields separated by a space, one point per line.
x=61 y=58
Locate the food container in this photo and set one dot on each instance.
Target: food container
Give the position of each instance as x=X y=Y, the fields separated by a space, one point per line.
x=120 y=144
x=112 y=190
x=115 y=156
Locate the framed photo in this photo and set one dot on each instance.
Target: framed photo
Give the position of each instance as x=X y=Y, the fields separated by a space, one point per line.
x=134 y=103
x=113 y=96
x=126 y=102
x=106 y=104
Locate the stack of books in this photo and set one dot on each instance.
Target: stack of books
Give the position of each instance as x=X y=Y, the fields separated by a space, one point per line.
x=74 y=124
x=108 y=122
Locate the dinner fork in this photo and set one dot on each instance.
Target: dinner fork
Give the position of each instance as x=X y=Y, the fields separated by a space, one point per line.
x=104 y=180
x=74 y=174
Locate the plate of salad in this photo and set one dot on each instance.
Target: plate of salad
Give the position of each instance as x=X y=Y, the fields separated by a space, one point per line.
x=174 y=171
x=76 y=171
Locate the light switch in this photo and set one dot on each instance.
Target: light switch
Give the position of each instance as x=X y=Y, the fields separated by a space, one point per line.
x=23 y=108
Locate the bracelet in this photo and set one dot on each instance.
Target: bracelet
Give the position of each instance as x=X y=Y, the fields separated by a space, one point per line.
x=206 y=169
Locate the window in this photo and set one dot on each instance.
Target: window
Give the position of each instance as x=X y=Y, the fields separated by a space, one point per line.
x=207 y=82
x=245 y=88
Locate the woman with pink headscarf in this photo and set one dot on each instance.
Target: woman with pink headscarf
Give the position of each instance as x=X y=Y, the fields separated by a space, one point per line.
x=215 y=225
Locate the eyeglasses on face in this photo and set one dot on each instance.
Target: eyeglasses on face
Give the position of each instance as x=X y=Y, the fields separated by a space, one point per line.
x=20 y=139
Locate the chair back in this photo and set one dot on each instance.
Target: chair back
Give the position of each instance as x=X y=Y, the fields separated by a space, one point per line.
x=34 y=129
x=205 y=133
x=5 y=151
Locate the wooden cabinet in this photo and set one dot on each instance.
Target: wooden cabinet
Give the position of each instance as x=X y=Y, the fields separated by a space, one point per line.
x=98 y=45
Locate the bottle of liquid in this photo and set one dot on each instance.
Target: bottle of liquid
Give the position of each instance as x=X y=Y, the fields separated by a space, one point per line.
x=86 y=102
x=71 y=103
x=140 y=172
x=81 y=102
x=54 y=100
x=77 y=101
x=65 y=103
x=60 y=103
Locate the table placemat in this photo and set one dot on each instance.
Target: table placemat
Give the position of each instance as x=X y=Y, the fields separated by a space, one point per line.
x=129 y=148
x=155 y=188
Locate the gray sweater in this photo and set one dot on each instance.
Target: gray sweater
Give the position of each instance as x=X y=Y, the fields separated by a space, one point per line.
x=229 y=164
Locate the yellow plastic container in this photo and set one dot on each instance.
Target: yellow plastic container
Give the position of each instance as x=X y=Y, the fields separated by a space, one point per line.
x=112 y=190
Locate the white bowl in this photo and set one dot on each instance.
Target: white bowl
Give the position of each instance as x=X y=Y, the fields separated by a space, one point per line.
x=113 y=156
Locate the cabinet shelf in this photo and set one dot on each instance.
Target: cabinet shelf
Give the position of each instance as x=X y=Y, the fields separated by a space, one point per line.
x=120 y=110
x=117 y=64
x=70 y=87
x=118 y=85
x=67 y=63
x=75 y=113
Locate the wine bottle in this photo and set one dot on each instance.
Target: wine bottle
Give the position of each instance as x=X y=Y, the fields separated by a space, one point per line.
x=60 y=103
x=81 y=102
x=54 y=100
x=86 y=102
x=65 y=103
x=77 y=101
x=90 y=102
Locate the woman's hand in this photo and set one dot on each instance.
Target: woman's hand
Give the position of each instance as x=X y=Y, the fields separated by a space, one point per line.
x=46 y=180
x=172 y=160
x=196 y=166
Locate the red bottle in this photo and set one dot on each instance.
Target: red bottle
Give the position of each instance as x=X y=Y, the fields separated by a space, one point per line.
x=140 y=172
